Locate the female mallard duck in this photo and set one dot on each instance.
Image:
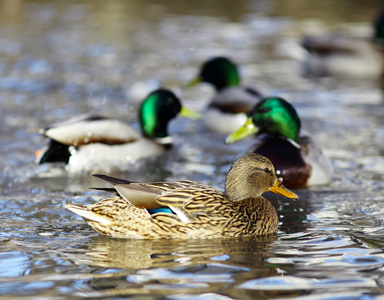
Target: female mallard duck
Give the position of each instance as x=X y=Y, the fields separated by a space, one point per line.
x=229 y=108
x=187 y=209
x=296 y=157
x=347 y=56
x=85 y=143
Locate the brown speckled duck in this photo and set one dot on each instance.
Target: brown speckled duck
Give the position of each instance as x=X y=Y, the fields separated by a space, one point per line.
x=187 y=209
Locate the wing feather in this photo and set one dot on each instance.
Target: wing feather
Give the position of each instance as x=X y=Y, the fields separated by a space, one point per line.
x=112 y=180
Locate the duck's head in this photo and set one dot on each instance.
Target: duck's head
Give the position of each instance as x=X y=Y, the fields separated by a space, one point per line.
x=220 y=71
x=157 y=110
x=378 y=27
x=250 y=176
x=272 y=115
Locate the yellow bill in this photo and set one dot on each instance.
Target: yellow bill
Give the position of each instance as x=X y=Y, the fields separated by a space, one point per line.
x=279 y=189
x=186 y=113
x=192 y=83
x=246 y=130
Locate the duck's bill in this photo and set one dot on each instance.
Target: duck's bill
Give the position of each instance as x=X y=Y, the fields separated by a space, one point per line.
x=279 y=189
x=38 y=156
x=192 y=83
x=246 y=130
x=186 y=113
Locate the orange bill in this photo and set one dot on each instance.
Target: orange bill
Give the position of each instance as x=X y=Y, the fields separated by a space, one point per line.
x=279 y=189
x=37 y=153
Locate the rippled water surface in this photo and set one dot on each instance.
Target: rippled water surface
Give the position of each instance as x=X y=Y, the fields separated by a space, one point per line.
x=59 y=59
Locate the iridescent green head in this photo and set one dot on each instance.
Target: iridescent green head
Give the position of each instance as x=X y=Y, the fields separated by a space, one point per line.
x=379 y=29
x=157 y=110
x=276 y=116
x=272 y=115
x=220 y=72
x=160 y=107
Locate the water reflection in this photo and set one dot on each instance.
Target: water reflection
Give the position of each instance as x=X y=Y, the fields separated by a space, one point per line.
x=169 y=267
x=142 y=254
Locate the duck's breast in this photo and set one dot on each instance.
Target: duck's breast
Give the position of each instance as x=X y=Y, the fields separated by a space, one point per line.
x=287 y=159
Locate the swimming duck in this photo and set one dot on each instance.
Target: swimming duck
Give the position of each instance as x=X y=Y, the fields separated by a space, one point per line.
x=86 y=142
x=296 y=157
x=186 y=209
x=229 y=108
x=347 y=56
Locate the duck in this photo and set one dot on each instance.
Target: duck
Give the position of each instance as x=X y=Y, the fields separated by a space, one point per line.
x=298 y=159
x=190 y=210
x=346 y=57
x=228 y=109
x=87 y=142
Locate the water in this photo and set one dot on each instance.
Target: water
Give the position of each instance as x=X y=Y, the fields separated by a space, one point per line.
x=59 y=59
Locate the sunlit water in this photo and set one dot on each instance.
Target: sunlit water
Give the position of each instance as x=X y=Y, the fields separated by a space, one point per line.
x=59 y=59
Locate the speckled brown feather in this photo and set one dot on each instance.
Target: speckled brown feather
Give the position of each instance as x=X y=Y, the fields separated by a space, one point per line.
x=200 y=211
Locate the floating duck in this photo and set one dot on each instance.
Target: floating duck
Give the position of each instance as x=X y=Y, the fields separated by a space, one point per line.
x=347 y=56
x=229 y=108
x=89 y=141
x=186 y=209
x=296 y=157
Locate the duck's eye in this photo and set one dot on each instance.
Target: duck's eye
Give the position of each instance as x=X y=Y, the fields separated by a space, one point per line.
x=266 y=170
x=265 y=110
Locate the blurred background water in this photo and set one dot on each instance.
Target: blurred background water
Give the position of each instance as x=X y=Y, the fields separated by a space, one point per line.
x=63 y=58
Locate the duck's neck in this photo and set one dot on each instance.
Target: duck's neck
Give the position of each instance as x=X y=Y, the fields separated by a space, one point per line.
x=280 y=125
x=259 y=211
x=288 y=130
x=154 y=131
x=227 y=79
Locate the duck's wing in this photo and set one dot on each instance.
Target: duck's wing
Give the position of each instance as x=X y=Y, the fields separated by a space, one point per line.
x=195 y=203
x=75 y=119
x=144 y=195
x=112 y=180
x=92 y=129
x=135 y=193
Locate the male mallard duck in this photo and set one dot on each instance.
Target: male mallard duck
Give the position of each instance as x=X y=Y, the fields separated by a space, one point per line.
x=187 y=209
x=347 y=56
x=86 y=141
x=229 y=108
x=296 y=157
